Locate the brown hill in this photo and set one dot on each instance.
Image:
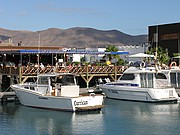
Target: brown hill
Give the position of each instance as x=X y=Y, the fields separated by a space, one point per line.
x=73 y=37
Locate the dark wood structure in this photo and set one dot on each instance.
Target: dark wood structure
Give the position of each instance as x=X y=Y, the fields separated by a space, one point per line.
x=21 y=74
x=167 y=36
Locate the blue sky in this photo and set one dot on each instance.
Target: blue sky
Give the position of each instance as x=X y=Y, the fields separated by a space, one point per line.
x=129 y=16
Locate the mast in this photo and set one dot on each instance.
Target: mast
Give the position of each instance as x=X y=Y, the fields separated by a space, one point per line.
x=38 y=59
x=39 y=43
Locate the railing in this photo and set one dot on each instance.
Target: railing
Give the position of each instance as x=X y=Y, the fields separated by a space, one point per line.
x=75 y=69
x=9 y=70
x=86 y=72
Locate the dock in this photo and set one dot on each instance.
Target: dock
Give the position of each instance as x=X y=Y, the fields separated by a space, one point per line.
x=7 y=96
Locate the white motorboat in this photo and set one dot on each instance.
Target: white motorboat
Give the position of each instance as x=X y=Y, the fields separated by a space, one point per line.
x=141 y=84
x=57 y=91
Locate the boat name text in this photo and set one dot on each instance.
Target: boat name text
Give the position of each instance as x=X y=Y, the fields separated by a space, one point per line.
x=43 y=98
x=76 y=103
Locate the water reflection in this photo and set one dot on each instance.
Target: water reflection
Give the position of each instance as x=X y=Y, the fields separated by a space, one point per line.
x=118 y=117
x=27 y=120
x=87 y=123
x=44 y=121
x=141 y=118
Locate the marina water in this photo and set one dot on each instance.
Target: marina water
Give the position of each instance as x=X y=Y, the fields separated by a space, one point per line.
x=117 y=118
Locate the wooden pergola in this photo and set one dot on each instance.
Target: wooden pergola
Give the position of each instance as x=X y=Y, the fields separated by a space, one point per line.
x=86 y=72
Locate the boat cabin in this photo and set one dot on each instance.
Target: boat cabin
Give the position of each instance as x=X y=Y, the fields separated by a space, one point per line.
x=57 y=85
x=144 y=79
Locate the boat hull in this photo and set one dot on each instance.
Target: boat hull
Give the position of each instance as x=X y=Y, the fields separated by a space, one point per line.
x=35 y=99
x=139 y=94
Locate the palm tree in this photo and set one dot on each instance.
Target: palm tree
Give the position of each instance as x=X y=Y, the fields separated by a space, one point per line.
x=162 y=54
x=113 y=48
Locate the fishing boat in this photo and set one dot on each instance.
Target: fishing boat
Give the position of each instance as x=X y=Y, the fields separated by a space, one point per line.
x=57 y=91
x=141 y=83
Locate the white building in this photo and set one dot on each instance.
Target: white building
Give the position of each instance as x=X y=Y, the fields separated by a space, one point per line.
x=133 y=49
x=89 y=54
x=94 y=54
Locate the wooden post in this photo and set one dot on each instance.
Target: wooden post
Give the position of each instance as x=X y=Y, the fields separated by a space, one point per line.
x=10 y=70
x=20 y=73
x=87 y=82
x=115 y=73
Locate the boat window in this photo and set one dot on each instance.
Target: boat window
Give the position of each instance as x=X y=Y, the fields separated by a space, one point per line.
x=146 y=80
x=150 y=81
x=178 y=79
x=59 y=79
x=53 y=81
x=127 y=77
x=173 y=79
x=143 y=80
x=43 y=80
x=160 y=76
x=68 y=80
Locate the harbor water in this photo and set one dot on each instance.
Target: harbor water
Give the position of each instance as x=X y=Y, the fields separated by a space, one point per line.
x=117 y=118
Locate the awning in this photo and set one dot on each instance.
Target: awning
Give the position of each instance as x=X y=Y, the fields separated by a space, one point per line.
x=60 y=52
x=141 y=55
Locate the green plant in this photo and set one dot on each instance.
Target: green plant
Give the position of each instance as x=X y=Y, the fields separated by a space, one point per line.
x=162 y=54
x=113 y=48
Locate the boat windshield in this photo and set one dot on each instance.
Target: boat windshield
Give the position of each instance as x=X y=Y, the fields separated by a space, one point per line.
x=64 y=80
x=67 y=80
x=127 y=77
x=43 y=80
x=160 y=76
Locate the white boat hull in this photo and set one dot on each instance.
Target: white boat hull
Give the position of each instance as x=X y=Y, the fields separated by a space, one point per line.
x=35 y=99
x=139 y=94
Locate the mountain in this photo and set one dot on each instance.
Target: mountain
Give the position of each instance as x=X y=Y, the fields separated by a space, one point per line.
x=73 y=37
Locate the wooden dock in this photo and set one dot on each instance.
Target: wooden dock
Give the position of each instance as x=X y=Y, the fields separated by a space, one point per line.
x=7 y=96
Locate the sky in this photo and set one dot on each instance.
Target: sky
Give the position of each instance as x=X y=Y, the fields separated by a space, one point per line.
x=129 y=16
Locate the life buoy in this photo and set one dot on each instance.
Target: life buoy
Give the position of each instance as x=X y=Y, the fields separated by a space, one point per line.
x=142 y=65
x=173 y=64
